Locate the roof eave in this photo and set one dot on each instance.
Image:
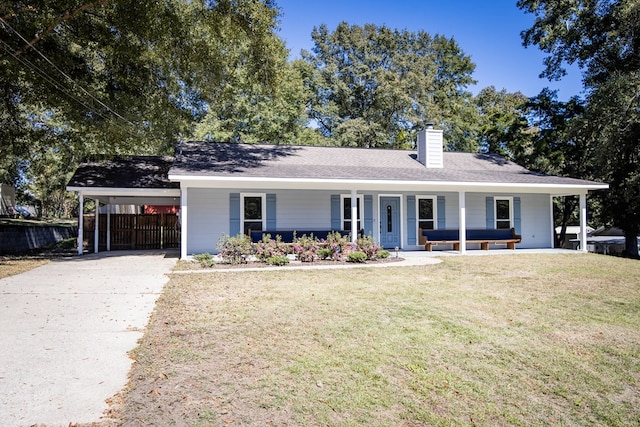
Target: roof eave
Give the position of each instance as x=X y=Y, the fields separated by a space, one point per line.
x=381 y=185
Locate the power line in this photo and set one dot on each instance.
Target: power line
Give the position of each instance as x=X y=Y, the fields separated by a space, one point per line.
x=66 y=76
x=48 y=79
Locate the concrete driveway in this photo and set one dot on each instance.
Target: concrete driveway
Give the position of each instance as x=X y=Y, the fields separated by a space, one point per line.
x=65 y=330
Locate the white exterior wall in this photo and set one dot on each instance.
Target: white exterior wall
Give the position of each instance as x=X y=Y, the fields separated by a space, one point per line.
x=208 y=215
x=207 y=219
x=536 y=221
x=304 y=210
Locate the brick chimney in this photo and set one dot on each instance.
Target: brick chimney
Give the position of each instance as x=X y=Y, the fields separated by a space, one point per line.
x=430 y=147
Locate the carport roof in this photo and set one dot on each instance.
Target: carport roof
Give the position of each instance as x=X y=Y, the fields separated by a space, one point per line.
x=132 y=180
x=124 y=172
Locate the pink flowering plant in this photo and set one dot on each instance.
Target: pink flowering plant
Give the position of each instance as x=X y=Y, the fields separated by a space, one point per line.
x=268 y=248
x=306 y=248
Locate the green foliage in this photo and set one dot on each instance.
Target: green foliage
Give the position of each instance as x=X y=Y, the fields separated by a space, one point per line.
x=234 y=250
x=357 y=256
x=305 y=248
x=277 y=260
x=206 y=260
x=367 y=246
x=383 y=254
x=267 y=247
x=602 y=38
x=375 y=87
x=136 y=74
x=324 y=253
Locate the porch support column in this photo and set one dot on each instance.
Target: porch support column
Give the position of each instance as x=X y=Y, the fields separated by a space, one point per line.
x=80 y=222
x=354 y=216
x=108 y=228
x=583 y=222
x=96 y=234
x=183 y=223
x=462 y=225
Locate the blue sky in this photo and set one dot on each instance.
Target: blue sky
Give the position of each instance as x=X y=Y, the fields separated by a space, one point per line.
x=488 y=31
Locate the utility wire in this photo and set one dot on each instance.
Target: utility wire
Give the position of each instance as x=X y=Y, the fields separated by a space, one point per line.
x=65 y=75
x=55 y=83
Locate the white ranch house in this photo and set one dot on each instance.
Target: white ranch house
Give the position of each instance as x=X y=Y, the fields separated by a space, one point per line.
x=228 y=188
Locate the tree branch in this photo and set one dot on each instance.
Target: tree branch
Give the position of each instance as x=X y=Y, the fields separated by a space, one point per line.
x=62 y=18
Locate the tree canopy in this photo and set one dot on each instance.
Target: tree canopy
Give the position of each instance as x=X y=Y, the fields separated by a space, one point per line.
x=119 y=76
x=603 y=38
x=373 y=86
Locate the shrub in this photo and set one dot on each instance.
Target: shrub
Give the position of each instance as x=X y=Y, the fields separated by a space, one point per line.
x=206 y=260
x=369 y=247
x=356 y=256
x=339 y=245
x=383 y=253
x=324 y=253
x=234 y=250
x=267 y=248
x=278 y=260
x=306 y=248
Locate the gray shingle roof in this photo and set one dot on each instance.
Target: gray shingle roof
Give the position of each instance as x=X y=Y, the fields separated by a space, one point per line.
x=125 y=172
x=210 y=159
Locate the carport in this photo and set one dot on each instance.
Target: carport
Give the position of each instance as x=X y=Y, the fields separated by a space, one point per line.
x=133 y=180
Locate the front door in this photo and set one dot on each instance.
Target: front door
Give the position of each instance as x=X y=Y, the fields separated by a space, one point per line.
x=390 y=222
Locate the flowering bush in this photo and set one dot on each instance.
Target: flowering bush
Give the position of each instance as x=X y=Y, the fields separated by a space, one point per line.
x=267 y=248
x=339 y=246
x=234 y=250
x=306 y=248
x=368 y=247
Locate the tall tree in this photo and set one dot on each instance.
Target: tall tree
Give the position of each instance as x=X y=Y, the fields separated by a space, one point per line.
x=374 y=86
x=603 y=38
x=504 y=128
x=120 y=76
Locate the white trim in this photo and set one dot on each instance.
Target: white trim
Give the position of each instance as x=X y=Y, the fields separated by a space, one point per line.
x=80 y=222
x=113 y=191
x=583 y=222
x=183 y=224
x=462 y=221
x=495 y=210
x=263 y=209
x=434 y=200
x=263 y=182
x=360 y=199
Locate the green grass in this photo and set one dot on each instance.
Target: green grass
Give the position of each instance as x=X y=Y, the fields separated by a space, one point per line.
x=496 y=340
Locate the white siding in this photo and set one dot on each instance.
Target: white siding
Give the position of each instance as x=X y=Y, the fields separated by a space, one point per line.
x=304 y=210
x=208 y=219
x=536 y=221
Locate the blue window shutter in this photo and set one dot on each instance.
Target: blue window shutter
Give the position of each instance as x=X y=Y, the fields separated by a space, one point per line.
x=368 y=215
x=271 y=212
x=411 y=220
x=335 y=212
x=490 y=214
x=517 y=219
x=442 y=219
x=234 y=214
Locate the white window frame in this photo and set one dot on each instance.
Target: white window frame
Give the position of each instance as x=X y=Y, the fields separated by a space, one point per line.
x=434 y=200
x=495 y=211
x=360 y=210
x=263 y=196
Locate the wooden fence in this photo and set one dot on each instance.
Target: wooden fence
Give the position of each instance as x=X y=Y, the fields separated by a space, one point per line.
x=129 y=231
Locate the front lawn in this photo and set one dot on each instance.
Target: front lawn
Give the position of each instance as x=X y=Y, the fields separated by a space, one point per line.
x=491 y=340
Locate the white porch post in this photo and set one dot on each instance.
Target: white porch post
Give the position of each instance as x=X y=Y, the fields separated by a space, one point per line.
x=462 y=221
x=183 y=223
x=583 y=222
x=354 y=216
x=96 y=235
x=108 y=228
x=552 y=222
x=80 y=222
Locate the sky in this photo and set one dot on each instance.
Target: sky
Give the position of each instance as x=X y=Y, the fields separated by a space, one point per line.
x=486 y=30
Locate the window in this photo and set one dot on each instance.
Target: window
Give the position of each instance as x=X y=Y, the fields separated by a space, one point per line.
x=427 y=213
x=346 y=213
x=253 y=212
x=504 y=213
